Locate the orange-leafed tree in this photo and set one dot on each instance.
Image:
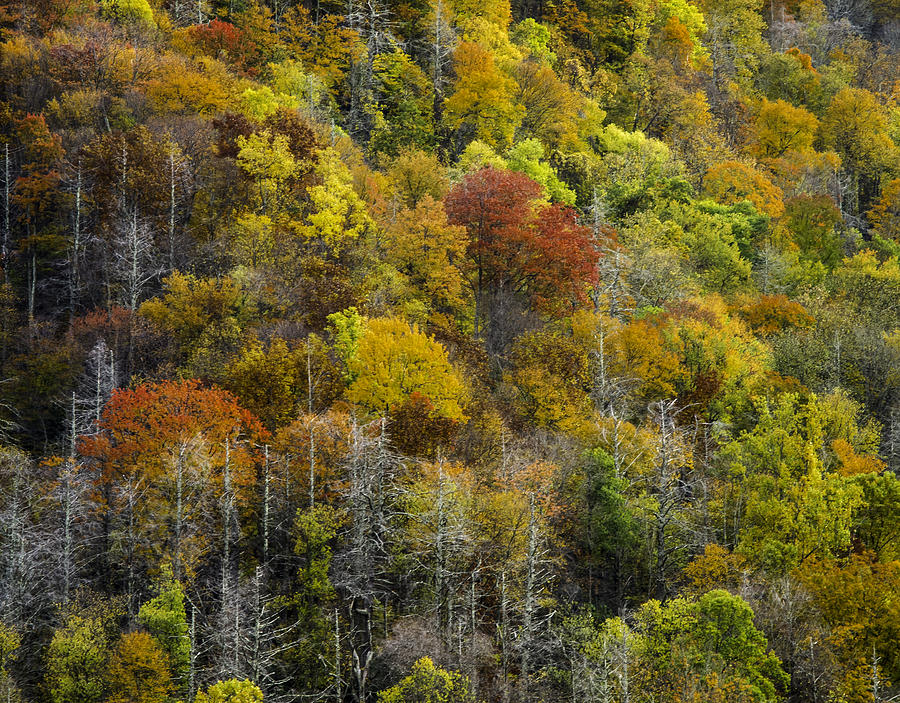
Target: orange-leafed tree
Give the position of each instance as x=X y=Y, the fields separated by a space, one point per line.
x=731 y=182
x=138 y=671
x=172 y=455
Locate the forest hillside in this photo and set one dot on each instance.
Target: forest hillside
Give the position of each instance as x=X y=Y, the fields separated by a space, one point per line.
x=449 y=351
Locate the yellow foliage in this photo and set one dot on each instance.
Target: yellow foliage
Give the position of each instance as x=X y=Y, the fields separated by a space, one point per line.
x=715 y=568
x=177 y=86
x=337 y=213
x=852 y=463
x=428 y=250
x=483 y=97
x=783 y=128
x=394 y=359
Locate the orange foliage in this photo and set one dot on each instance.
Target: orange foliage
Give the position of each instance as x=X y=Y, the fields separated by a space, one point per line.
x=731 y=182
x=851 y=463
x=773 y=313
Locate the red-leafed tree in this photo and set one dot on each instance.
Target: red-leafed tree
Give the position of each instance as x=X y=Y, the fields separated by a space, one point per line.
x=173 y=456
x=527 y=254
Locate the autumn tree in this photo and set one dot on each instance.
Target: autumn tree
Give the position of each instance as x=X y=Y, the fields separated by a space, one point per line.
x=482 y=104
x=428 y=683
x=430 y=252
x=231 y=691
x=395 y=360
x=885 y=213
x=731 y=181
x=170 y=454
x=704 y=648
x=138 y=671
x=813 y=224
x=855 y=126
x=79 y=651
x=521 y=251
x=781 y=127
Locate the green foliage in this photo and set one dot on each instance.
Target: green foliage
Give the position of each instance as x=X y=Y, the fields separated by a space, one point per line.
x=76 y=659
x=231 y=691
x=165 y=618
x=706 y=644
x=526 y=157
x=315 y=532
x=534 y=38
x=346 y=330
x=403 y=117
x=428 y=683
x=795 y=505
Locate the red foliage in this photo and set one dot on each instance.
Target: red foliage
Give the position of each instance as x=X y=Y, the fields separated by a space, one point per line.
x=521 y=245
x=224 y=41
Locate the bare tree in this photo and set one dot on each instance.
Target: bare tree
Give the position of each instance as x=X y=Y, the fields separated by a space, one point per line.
x=136 y=262
x=669 y=490
x=442 y=42
x=95 y=388
x=360 y=570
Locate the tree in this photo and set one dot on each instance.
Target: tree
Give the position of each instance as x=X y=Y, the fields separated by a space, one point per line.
x=527 y=157
x=201 y=316
x=781 y=128
x=137 y=12
x=428 y=683
x=270 y=382
x=404 y=104
x=10 y=642
x=169 y=453
x=138 y=671
x=812 y=223
x=482 y=104
x=136 y=262
x=855 y=126
x=164 y=617
x=551 y=375
x=413 y=174
x=855 y=600
x=731 y=182
x=395 y=360
x=521 y=251
x=231 y=691
x=704 y=648
x=336 y=214
x=266 y=158
x=877 y=521
x=316 y=529
x=77 y=657
x=551 y=109
x=793 y=506
x=430 y=252
x=361 y=566
x=772 y=313
x=885 y=214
